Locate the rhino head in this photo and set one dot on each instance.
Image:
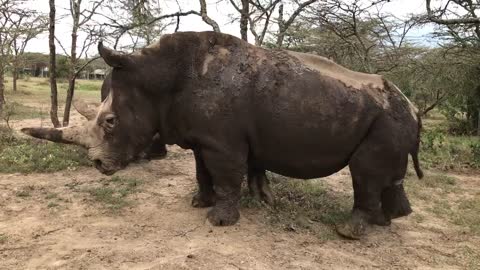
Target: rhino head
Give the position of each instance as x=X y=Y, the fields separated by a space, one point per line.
x=125 y=122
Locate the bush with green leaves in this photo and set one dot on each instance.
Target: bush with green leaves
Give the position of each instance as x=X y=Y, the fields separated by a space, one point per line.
x=475 y=148
x=442 y=151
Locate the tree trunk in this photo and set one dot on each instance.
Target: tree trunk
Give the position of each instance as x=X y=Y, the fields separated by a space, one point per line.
x=15 y=77
x=281 y=27
x=478 y=123
x=2 y=88
x=52 y=67
x=68 y=101
x=244 y=19
x=73 y=65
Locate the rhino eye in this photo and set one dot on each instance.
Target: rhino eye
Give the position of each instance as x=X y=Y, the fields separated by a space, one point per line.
x=109 y=122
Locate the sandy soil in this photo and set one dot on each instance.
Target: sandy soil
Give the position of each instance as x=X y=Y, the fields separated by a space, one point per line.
x=160 y=230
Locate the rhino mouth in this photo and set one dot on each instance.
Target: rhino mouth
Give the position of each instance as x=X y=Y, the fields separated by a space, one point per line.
x=107 y=170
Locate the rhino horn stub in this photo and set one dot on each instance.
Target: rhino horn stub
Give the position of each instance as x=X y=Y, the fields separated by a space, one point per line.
x=83 y=109
x=67 y=135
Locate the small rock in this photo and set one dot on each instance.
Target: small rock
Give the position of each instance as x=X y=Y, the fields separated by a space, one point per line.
x=190 y=256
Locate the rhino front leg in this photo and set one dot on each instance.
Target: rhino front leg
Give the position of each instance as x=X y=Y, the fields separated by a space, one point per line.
x=227 y=173
x=205 y=196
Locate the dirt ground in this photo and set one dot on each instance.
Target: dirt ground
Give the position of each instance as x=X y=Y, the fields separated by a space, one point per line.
x=59 y=226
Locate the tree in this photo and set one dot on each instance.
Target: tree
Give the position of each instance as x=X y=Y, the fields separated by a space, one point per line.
x=459 y=26
x=80 y=18
x=8 y=9
x=255 y=15
x=244 y=10
x=284 y=24
x=261 y=17
x=135 y=18
x=26 y=26
x=132 y=18
x=358 y=36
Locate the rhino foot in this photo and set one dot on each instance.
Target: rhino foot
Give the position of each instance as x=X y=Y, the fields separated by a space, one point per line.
x=355 y=227
x=266 y=195
x=223 y=216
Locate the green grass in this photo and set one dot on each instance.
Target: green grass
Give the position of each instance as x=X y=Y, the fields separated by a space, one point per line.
x=114 y=192
x=3 y=238
x=432 y=184
x=442 y=181
x=37 y=90
x=17 y=111
x=468 y=214
x=30 y=155
x=86 y=85
x=51 y=196
x=23 y=194
x=52 y=204
x=442 y=197
x=472 y=258
x=446 y=152
x=305 y=205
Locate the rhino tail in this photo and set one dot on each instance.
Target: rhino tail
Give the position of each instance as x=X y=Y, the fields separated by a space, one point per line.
x=414 y=152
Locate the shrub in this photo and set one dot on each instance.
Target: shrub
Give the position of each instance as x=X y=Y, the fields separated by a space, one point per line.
x=475 y=148
x=441 y=151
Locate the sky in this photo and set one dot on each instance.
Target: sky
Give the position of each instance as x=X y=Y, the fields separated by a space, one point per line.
x=218 y=11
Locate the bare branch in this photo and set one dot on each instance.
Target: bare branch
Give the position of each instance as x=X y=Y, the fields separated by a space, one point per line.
x=206 y=19
x=61 y=46
x=437 y=18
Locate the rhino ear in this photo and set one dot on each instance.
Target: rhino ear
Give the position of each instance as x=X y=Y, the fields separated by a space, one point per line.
x=84 y=109
x=113 y=58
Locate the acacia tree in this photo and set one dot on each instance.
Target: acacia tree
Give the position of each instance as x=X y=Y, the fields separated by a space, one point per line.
x=9 y=9
x=244 y=10
x=358 y=36
x=26 y=26
x=255 y=15
x=459 y=25
x=132 y=18
x=261 y=17
x=285 y=23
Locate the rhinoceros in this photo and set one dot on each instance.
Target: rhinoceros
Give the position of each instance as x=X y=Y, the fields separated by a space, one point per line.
x=240 y=107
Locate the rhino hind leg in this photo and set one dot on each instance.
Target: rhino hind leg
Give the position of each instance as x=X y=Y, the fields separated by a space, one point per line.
x=395 y=203
x=259 y=185
x=366 y=208
x=373 y=165
x=227 y=173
